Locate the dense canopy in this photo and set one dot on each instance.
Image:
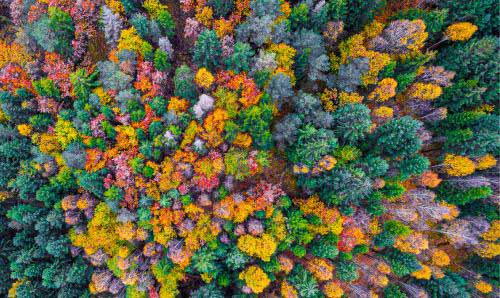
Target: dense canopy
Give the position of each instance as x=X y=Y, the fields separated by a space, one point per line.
x=249 y=148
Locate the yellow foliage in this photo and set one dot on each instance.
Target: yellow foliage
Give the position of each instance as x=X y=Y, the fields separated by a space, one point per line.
x=104 y=97
x=101 y=232
x=320 y=268
x=169 y=282
x=255 y=278
x=384 y=268
x=424 y=273
x=383 y=112
x=227 y=100
x=65 y=132
x=214 y=126
x=489 y=250
x=243 y=140
x=328 y=162
x=205 y=16
x=189 y=134
x=278 y=230
x=285 y=9
x=417 y=38
x=177 y=104
x=223 y=27
x=284 y=54
x=346 y=98
x=204 y=78
x=494 y=232
x=456 y=165
x=424 y=91
x=460 y=31
x=48 y=143
x=288 y=291
x=414 y=243
x=354 y=47
x=440 y=258
x=384 y=90
x=130 y=40
x=261 y=247
x=153 y=7
x=328 y=98
x=116 y=6
x=24 y=129
x=209 y=166
x=13 y=289
x=126 y=137
x=373 y=29
x=126 y=231
x=333 y=290
x=3 y=117
x=485 y=162
x=483 y=287
x=13 y=53
x=164 y=235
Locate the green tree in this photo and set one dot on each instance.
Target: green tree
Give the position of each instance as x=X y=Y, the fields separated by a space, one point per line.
x=304 y=282
x=362 y=12
x=402 y=263
x=239 y=60
x=166 y=23
x=393 y=291
x=397 y=138
x=63 y=28
x=161 y=60
x=207 y=50
x=351 y=123
x=184 y=83
x=347 y=271
x=312 y=144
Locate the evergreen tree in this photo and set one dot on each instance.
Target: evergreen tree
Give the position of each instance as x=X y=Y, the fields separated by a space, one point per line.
x=207 y=50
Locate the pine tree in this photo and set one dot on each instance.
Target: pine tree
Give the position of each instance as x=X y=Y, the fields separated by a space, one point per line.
x=207 y=50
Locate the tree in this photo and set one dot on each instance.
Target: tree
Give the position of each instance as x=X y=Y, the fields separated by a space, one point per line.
x=304 y=282
x=349 y=75
x=451 y=285
x=208 y=290
x=339 y=186
x=324 y=247
x=162 y=60
x=473 y=61
x=393 y=291
x=13 y=150
x=299 y=16
x=63 y=28
x=434 y=19
x=183 y=83
x=239 y=60
x=207 y=50
x=477 y=13
x=112 y=25
x=362 y=12
x=280 y=89
x=460 y=195
x=285 y=131
x=312 y=144
x=166 y=23
x=397 y=138
x=413 y=166
x=351 y=123
x=401 y=263
x=75 y=156
x=347 y=271
x=396 y=36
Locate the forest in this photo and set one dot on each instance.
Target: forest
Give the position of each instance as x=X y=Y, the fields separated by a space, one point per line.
x=249 y=149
